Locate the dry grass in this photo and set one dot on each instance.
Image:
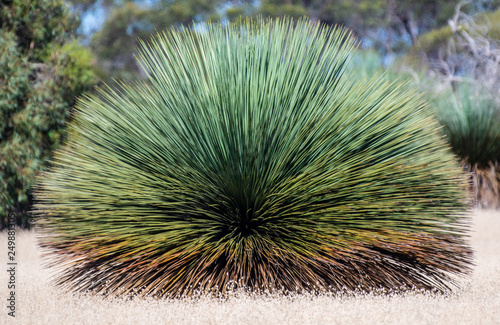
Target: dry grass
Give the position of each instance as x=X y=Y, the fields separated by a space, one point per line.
x=477 y=303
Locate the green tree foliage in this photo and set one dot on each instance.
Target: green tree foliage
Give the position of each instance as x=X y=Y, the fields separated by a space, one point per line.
x=387 y=24
x=81 y=6
x=252 y=155
x=117 y=40
x=41 y=71
x=280 y=8
x=469 y=46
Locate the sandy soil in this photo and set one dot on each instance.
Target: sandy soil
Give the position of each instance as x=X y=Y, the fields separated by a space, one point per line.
x=478 y=302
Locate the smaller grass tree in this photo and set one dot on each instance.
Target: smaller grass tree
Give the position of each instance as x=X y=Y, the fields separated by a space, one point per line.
x=471 y=122
x=253 y=156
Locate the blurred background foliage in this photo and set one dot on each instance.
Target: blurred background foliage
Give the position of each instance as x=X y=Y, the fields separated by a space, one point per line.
x=392 y=28
x=53 y=50
x=42 y=69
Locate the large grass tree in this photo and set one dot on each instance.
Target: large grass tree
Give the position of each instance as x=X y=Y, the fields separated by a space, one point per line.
x=253 y=156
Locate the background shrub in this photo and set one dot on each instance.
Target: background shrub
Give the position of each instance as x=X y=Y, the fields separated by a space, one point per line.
x=470 y=117
x=41 y=72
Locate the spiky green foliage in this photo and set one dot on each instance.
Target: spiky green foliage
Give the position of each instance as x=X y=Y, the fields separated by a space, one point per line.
x=471 y=122
x=253 y=157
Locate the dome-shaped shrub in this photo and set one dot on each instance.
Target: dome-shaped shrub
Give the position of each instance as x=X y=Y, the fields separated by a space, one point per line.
x=470 y=117
x=252 y=156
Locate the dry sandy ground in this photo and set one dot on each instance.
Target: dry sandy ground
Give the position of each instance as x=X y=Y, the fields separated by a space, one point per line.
x=478 y=302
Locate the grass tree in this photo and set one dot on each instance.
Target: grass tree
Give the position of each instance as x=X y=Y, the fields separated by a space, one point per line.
x=252 y=156
x=471 y=122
